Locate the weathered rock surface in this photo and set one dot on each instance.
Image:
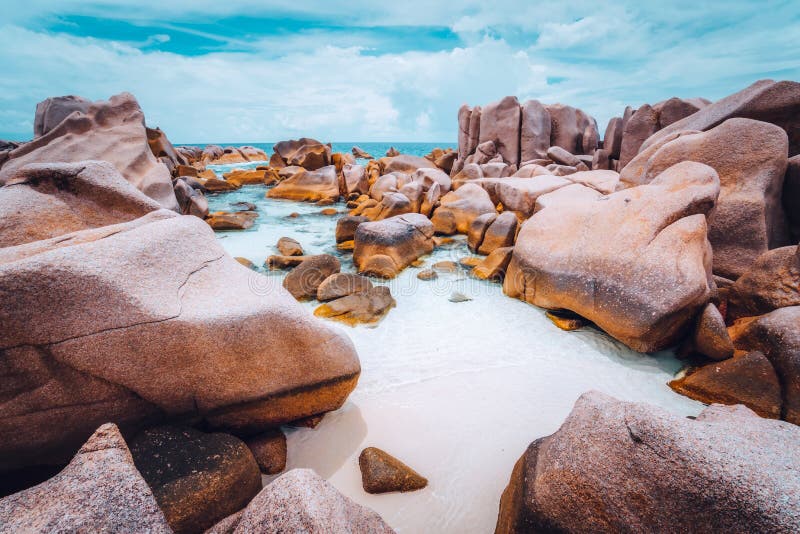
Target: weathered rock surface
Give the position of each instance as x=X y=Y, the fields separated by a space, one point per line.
x=354 y=178
x=710 y=336
x=44 y=200
x=112 y=131
x=342 y=284
x=520 y=194
x=627 y=467
x=311 y=186
x=361 y=154
x=304 y=280
x=226 y=220
x=750 y=158
x=99 y=491
x=641 y=282
x=365 y=307
x=346 y=227
x=791 y=196
x=384 y=248
x=771 y=282
x=302 y=501
x=765 y=100
x=52 y=111
x=777 y=336
x=500 y=123
x=148 y=319
x=534 y=131
x=638 y=129
x=494 y=266
x=459 y=208
x=269 y=450
x=304 y=152
x=383 y=473
x=747 y=379
x=406 y=164
x=289 y=247
x=197 y=478
x=500 y=233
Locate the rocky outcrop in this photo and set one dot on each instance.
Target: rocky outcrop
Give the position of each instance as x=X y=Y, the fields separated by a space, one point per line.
x=647 y=120
x=112 y=131
x=500 y=124
x=197 y=478
x=750 y=158
x=383 y=473
x=520 y=133
x=384 y=248
x=45 y=200
x=147 y=319
x=342 y=284
x=162 y=149
x=52 y=111
x=765 y=100
x=361 y=154
x=99 y=491
x=310 y=186
x=636 y=263
x=304 y=152
x=627 y=467
x=302 y=501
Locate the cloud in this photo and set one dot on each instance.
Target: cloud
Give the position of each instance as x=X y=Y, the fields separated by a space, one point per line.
x=362 y=71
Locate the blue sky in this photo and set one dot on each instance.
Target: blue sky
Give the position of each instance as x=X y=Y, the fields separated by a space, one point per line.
x=261 y=71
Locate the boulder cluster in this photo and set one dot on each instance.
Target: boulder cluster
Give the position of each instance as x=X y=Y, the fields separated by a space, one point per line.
x=120 y=314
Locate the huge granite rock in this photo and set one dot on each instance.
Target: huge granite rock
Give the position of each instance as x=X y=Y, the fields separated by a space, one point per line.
x=197 y=478
x=147 y=319
x=305 y=185
x=637 y=262
x=750 y=158
x=112 y=131
x=44 y=200
x=500 y=123
x=302 y=501
x=304 y=152
x=764 y=100
x=384 y=248
x=99 y=491
x=616 y=466
x=534 y=131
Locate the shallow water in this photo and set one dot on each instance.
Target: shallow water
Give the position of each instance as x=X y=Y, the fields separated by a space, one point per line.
x=455 y=390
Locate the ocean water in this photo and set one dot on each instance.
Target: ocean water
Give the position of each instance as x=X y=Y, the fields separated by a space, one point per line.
x=376 y=149
x=455 y=390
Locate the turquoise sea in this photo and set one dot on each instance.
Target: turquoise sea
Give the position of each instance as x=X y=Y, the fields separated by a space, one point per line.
x=376 y=149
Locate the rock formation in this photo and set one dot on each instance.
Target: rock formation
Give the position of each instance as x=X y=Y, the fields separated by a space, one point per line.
x=112 y=131
x=625 y=467
x=637 y=262
x=99 y=491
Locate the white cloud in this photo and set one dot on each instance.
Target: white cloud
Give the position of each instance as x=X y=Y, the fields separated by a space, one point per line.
x=316 y=83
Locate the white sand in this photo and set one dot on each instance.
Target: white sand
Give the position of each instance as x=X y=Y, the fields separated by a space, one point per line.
x=455 y=390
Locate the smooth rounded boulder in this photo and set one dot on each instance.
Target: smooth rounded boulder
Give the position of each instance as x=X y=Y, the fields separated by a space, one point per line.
x=170 y=327
x=459 y=208
x=618 y=466
x=637 y=262
x=384 y=248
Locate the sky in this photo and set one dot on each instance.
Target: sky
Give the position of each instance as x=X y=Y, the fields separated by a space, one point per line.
x=258 y=71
